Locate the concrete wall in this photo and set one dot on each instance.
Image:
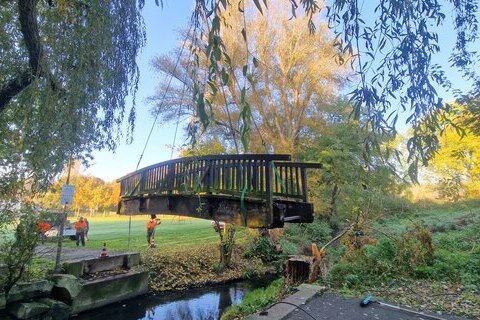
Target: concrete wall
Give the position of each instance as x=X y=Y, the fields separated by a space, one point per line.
x=79 y=268
x=98 y=293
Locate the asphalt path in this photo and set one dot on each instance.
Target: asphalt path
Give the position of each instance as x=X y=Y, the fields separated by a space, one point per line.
x=330 y=307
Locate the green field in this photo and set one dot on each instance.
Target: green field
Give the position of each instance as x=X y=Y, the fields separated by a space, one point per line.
x=172 y=233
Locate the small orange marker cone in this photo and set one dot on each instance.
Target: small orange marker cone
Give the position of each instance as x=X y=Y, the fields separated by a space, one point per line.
x=152 y=242
x=104 y=253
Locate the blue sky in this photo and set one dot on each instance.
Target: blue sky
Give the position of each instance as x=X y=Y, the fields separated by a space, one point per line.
x=162 y=37
x=161 y=26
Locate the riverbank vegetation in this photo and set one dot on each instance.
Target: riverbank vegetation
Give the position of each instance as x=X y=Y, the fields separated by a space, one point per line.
x=256 y=300
x=427 y=257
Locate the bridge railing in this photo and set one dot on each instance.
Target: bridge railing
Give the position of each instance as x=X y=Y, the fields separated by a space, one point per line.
x=253 y=175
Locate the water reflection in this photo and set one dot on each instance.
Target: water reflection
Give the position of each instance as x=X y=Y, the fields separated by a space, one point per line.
x=195 y=304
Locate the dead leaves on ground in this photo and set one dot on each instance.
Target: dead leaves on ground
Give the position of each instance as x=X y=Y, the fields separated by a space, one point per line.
x=194 y=267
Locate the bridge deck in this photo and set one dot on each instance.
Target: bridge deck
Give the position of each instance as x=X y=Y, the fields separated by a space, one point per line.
x=256 y=190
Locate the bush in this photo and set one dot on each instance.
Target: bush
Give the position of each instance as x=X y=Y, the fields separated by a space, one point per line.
x=346 y=274
x=302 y=235
x=415 y=248
x=288 y=248
x=395 y=204
x=452 y=266
x=254 y=269
x=409 y=254
x=263 y=248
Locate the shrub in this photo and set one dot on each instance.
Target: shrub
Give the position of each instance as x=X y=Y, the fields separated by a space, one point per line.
x=263 y=248
x=288 y=248
x=395 y=204
x=372 y=262
x=340 y=272
x=415 y=248
x=318 y=231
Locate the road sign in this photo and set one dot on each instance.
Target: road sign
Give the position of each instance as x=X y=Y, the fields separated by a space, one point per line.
x=67 y=194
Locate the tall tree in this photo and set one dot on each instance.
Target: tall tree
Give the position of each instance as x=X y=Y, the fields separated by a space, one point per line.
x=393 y=45
x=294 y=79
x=349 y=181
x=67 y=68
x=456 y=165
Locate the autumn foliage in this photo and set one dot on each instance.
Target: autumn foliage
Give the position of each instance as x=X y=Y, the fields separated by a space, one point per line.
x=92 y=195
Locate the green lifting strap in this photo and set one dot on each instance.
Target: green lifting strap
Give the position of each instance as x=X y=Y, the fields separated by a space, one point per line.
x=279 y=177
x=242 y=198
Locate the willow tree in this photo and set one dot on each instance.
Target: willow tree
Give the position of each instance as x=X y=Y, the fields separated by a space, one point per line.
x=294 y=78
x=393 y=45
x=67 y=69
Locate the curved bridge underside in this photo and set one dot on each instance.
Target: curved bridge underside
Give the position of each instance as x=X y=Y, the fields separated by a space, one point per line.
x=256 y=190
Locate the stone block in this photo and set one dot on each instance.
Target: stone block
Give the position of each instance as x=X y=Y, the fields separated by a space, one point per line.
x=27 y=310
x=103 y=264
x=58 y=310
x=101 y=292
x=29 y=290
x=74 y=268
x=66 y=287
x=131 y=260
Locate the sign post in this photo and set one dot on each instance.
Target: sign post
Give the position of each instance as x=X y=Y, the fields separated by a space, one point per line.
x=66 y=199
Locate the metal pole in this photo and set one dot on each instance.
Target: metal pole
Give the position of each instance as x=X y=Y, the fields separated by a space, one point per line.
x=63 y=218
x=129 y=230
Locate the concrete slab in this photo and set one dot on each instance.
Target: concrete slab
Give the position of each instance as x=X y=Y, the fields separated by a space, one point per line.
x=103 y=264
x=282 y=309
x=101 y=292
x=79 y=268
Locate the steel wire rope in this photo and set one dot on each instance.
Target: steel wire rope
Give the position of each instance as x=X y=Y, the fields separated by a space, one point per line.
x=232 y=130
x=182 y=95
x=265 y=312
x=158 y=113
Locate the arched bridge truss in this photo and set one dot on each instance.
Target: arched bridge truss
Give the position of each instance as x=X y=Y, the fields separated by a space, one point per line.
x=254 y=190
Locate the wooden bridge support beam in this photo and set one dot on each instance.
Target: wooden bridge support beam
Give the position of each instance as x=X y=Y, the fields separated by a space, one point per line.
x=222 y=208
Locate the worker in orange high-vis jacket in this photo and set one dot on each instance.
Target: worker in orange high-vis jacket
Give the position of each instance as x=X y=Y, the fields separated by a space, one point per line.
x=42 y=228
x=80 y=228
x=151 y=225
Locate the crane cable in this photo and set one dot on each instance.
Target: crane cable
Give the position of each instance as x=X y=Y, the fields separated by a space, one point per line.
x=162 y=100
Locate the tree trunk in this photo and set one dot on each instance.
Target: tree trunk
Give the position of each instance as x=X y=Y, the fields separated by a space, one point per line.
x=333 y=201
x=298 y=269
x=227 y=242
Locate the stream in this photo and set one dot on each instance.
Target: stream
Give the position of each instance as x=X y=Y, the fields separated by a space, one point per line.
x=206 y=303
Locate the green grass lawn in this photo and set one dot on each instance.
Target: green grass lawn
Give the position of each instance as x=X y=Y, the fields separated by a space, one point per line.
x=171 y=234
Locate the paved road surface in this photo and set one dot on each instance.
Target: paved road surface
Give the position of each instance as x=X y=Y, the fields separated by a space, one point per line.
x=71 y=253
x=330 y=307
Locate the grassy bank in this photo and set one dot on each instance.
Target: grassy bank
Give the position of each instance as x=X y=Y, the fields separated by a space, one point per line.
x=399 y=266
x=186 y=253
x=256 y=300
x=428 y=258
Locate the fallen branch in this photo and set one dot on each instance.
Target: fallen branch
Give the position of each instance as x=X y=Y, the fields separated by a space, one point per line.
x=338 y=236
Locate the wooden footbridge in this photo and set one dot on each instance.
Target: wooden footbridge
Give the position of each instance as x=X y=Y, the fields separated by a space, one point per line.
x=254 y=190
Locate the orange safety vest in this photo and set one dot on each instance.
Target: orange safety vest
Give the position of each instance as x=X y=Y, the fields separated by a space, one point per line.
x=43 y=226
x=151 y=225
x=80 y=226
